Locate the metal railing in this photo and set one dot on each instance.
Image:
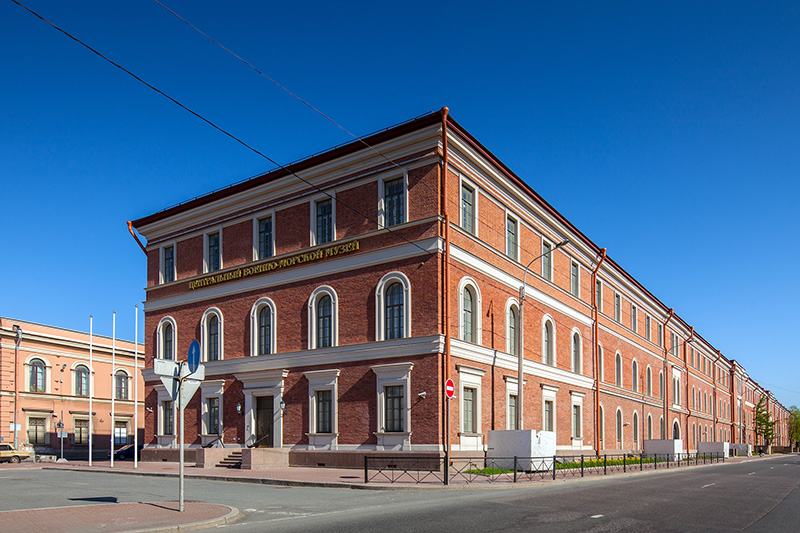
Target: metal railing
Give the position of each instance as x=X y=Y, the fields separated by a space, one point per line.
x=464 y=469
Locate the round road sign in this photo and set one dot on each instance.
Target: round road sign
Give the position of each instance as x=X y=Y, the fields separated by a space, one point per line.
x=449 y=388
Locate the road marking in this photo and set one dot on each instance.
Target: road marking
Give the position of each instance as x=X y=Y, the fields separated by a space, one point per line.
x=710 y=484
x=596 y=516
x=751 y=473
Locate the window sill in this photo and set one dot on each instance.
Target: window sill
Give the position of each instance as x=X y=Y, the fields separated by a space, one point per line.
x=469 y=434
x=322 y=434
x=392 y=433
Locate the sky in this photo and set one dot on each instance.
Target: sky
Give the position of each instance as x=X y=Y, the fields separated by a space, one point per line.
x=667 y=132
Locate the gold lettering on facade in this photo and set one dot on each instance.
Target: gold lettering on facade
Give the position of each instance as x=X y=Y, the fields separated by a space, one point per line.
x=269 y=266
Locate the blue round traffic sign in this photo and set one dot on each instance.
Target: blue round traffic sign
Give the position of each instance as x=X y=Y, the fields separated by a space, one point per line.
x=194 y=356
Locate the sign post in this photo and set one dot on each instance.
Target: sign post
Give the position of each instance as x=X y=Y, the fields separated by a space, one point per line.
x=182 y=380
x=449 y=392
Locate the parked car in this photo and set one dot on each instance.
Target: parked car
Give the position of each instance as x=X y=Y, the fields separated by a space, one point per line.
x=8 y=454
x=126 y=452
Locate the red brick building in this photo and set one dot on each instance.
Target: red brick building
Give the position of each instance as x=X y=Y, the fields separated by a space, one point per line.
x=332 y=299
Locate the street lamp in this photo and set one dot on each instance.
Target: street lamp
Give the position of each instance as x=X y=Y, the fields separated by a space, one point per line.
x=521 y=328
x=16 y=384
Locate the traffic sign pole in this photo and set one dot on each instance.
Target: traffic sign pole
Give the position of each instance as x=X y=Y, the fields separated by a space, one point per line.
x=180 y=403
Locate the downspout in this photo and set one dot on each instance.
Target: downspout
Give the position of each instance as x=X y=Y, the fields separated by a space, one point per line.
x=666 y=387
x=130 y=228
x=714 y=393
x=596 y=312
x=733 y=404
x=686 y=367
x=446 y=278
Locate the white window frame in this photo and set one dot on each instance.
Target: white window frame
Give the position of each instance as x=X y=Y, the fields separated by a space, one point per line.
x=470 y=378
x=619 y=370
x=676 y=392
x=635 y=375
x=380 y=304
x=512 y=344
x=634 y=318
x=114 y=383
x=212 y=388
x=579 y=369
x=601 y=422
x=554 y=343
x=382 y=199
x=576 y=290
x=165 y=441
x=617 y=307
x=388 y=375
x=205 y=250
x=323 y=380
x=511 y=390
x=635 y=433
x=513 y=254
x=318 y=293
x=162 y=258
x=649 y=381
x=601 y=362
x=261 y=216
x=598 y=288
x=204 y=345
x=468 y=184
x=477 y=315
x=159 y=340
x=551 y=259
x=47 y=373
x=313 y=222
x=549 y=395
x=254 y=311
x=576 y=400
x=74 y=374
x=619 y=428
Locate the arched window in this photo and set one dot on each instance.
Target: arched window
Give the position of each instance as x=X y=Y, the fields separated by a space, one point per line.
x=601 y=366
x=601 y=422
x=211 y=332
x=635 y=377
x=663 y=428
x=393 y=307
x=121 y=385
x=37 y=382
x=649 y=382
x=512 y=329
x=577 y=357
x=167 y=338
x=262 y=327
x=636 y=430
x=548 y=344
x=81 y=380
x=468 y=315
x=676 y=430
x=618 y=370
x=694 y=398
x=323 y=318
x=619 y=428
x=649 y=427
x=394 y=311
x=661 y=385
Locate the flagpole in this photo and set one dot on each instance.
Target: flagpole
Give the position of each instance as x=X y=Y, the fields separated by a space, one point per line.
x=136 y=389
x=113 y=377
x=91 y=390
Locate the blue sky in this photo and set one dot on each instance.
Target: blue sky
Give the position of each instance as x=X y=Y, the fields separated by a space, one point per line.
x=668 y=133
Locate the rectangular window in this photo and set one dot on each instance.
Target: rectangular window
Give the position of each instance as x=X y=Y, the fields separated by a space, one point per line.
x=548 y=415
x=634 y=319
x=324 y=228
x=214 y=262
x=647 y=327
x=512 y=411
x=512 y=230
x=265 y=238
x=675 y=345
x=576 y=422
x=213 y=416
x=81 y=432
x=661 y=335
x=547 y=260
x=575 y=279
x=120 y=433
x=324 y=411
x=599 y=295
x=469 y=410
x=169 y=264
x=394 y=408
x=36 y=433
x=617 y=307
x=693 y=354
x=168 y=427
x=468 y=208
x=394 y=202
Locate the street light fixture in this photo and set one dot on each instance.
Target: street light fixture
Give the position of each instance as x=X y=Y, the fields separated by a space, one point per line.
x=18 y=330
x=521 y=328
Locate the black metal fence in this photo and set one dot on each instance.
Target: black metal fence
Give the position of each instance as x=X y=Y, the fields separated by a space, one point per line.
x=463 y=469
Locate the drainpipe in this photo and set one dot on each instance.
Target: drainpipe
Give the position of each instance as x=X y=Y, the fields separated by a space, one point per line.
x=733 y=404
x=595 y=310
x=666 y=367
x=446 y=277
x=130 y=228
x=686 y=367
x=715 y=412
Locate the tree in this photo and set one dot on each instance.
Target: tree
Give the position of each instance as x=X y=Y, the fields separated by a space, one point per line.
x=794 y=425
x=765 y=426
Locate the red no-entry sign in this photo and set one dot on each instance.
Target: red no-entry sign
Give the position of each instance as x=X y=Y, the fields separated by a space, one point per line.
x=449 y=388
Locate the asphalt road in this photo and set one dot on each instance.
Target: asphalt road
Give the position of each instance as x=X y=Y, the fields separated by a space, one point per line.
x=759 y=495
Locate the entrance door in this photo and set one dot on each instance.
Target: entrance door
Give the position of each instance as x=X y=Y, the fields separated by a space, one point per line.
x=264 y=421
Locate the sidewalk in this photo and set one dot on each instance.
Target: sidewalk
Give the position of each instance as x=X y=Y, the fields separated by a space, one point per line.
x=161 y=516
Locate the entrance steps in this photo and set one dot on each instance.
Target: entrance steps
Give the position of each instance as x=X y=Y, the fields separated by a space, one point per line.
x=232 y=460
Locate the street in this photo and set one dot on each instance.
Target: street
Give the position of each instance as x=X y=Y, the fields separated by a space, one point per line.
x=756 y=495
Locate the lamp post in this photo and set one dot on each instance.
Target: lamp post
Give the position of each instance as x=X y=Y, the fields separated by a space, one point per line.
x=18 y=330
x=521 y=328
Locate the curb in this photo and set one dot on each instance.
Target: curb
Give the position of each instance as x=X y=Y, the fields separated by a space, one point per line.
x=232 y=516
